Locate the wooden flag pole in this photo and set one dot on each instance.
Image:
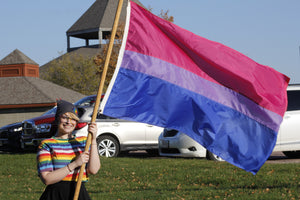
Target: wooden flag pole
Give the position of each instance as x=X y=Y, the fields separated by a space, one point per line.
x=99 y=93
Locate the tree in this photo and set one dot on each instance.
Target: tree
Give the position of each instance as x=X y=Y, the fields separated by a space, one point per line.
x=73 y=71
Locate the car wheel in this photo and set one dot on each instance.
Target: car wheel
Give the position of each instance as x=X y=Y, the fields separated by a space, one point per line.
x=153 y=152
x=292 y=154
x=108 y=146
x=212 y=156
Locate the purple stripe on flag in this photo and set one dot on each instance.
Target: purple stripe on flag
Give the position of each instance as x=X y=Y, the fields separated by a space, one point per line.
x=190 y=81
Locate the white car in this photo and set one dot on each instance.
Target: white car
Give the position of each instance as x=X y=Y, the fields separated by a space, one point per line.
x=116 y=135
x=288 y=139
x=174 y=143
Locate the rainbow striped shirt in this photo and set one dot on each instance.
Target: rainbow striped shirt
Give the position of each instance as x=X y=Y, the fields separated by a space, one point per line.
x=57 y=153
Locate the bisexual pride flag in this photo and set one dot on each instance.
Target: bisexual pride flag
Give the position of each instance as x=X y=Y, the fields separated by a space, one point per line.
x=169 y=77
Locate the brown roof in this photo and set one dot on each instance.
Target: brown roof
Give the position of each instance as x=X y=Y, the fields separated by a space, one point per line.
x=99 y=16
x=17 y=57
x=32 y=90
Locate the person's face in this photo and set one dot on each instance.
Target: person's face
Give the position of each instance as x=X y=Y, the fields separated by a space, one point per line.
x=66 y=124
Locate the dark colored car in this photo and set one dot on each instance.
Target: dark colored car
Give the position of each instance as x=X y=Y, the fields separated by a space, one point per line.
x=10 y=135
x=37 y=129
x=30 y=132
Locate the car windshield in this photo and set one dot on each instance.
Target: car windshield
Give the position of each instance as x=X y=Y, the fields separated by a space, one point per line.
x=86 y=101
x=51 y=111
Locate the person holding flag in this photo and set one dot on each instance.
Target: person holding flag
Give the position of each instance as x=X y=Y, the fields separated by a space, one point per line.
x=59 y=158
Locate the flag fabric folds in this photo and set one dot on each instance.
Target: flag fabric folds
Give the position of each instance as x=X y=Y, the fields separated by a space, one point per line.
x=169 y=77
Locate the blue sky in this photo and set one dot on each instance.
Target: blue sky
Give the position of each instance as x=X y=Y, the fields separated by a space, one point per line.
x=267 y=31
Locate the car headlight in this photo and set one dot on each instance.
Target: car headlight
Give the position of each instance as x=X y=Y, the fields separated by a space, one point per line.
x=16 y=129
x=43 y=128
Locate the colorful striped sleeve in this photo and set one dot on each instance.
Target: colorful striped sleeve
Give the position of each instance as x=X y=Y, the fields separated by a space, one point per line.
x=44 y=160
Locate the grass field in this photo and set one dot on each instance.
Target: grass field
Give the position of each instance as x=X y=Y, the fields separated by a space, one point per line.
x=159 y=178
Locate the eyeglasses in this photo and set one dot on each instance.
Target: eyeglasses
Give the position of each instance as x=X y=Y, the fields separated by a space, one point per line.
x=66 y=118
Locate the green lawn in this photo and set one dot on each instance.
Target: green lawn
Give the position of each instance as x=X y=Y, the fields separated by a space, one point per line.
x=159 y=178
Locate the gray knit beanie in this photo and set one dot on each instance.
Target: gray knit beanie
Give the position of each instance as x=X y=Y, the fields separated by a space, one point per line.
x=64 y=107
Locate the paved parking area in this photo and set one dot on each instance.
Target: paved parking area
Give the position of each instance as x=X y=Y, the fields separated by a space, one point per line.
x=279 y=157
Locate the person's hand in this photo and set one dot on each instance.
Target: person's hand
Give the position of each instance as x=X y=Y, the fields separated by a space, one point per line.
x=82 y=158
x=93 y=129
